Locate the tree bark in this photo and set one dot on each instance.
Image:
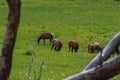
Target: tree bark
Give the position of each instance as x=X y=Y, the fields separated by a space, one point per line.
x=104 y=72
x=10 y=38
x=92 y=67
x=107 y=52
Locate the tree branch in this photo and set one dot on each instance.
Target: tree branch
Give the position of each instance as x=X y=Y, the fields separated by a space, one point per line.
x=97 y=71
x=40 y=73
x=107 y=51
x=104 y=72
x=31 y=64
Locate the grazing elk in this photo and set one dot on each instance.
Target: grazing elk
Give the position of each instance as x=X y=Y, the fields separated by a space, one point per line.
x=46 y=35
x=56 y=44
x=91 y=48
x=94 y=47
x=73 y=46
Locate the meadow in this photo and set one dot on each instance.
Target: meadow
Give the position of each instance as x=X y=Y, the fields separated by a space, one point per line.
x=86 y=21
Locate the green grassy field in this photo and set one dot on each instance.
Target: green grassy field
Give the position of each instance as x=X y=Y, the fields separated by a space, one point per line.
x=85 y=21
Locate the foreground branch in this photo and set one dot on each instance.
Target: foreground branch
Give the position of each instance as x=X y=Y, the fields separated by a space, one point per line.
x=97 y=71
x=107 y=51
x=104 y=72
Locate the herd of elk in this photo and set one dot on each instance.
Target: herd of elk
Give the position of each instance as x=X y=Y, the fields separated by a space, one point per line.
x=72 y=44
x=56 y=43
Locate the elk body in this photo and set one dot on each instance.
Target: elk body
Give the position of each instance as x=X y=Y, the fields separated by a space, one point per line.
x=56 y=44
x=73 y=46
x=44 y=36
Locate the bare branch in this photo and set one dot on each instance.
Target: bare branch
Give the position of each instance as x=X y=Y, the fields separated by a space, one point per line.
x=35 y=75
x=107 y=51
x=31 y=64
x=40 y=73
x=104 y=72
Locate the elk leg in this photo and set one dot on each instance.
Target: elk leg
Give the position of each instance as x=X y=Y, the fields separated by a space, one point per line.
x=52 y=47
x=50 y=41
x=44 y=41
x=55 y=48
x=72 y=49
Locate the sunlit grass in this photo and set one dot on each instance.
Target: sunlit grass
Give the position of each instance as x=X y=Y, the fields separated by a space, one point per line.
x=86 y=21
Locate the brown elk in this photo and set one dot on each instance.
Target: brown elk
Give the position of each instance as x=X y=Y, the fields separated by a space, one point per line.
x=56 y=44
x=46 y=35
x=91 y=48
x=94 y=47
x=73 y=46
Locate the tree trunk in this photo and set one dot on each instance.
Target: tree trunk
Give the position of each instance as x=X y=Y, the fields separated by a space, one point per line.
x=10 y=38
x=104 y=72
